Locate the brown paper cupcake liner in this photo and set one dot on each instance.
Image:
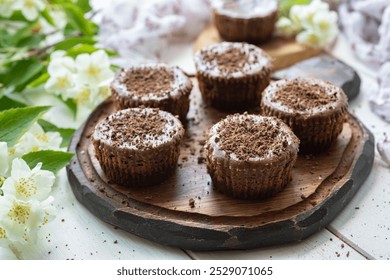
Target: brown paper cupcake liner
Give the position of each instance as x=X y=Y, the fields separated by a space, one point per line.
x=252 y=30
x=138 y=168
x=176 y=106
x=317 y=133
x=246 y=183
x=228 y=93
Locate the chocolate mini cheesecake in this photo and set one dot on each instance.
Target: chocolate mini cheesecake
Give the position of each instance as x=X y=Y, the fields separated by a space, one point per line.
x=139 y=146
x=232 y=75
x=250 y=21
x=155 y=86
x=250 y=156
x=314 y=109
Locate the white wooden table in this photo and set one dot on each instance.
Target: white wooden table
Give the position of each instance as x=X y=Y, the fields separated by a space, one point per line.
x=361 y=231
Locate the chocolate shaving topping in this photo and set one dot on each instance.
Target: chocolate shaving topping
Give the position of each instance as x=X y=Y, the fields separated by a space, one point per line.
x=144 y=81
x=251 y=137
x=301 y=94
x=142 y=128
x=229 y=58
x=233 y=59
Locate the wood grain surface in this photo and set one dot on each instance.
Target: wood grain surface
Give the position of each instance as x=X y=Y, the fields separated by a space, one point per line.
x=285 y=52
x=321 y=186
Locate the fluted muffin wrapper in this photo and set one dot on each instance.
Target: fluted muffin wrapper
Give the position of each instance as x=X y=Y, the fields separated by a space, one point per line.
x=252 y=30
x=178 y=106
x=138 y=168
x=316 y=132
x=228 y=93
x=250 y=180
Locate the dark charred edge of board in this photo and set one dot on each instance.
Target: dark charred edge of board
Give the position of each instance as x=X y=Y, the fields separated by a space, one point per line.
x=352 y=88
x=224 y=238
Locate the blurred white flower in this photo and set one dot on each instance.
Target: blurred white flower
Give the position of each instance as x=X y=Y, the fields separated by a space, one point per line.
x=35 y=139
x=314 y=23
x=286 y=27
x=6 y=8
x=3 y=159
x=325 y=22
x=30 y=8
x=61 y=70
x=85 y=79
x=84 y=95
x=306 y=13
x=309 y=38
x=59 y=83
x=94 y=68
x=25 y=184
x=51 y=31
x=20 y=220
x=59 y=62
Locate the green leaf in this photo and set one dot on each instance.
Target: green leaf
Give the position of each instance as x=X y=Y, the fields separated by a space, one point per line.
x=72 y=105
x=71 y=42
x=46 y=15
x=8 y=103
x=285 y=6
x=5 y=38
x=84 y=48
x=76 y=18
x=20 y=34
x=21 y=72
x=80 y=49
x=15 y=122
x=66 y=133
x=84 y=5
x=51 y=160
x=32 y=41
x=39 y=81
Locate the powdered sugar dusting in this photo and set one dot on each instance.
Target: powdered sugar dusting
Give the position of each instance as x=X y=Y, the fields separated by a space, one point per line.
x=215 y=60
x=174 y=81
x=282 y=140
x=245 y=8
x=138 y=128
x=335 y=98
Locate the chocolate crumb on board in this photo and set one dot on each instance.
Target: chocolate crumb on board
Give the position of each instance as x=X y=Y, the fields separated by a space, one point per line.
x=201 y=160
x=191 y=202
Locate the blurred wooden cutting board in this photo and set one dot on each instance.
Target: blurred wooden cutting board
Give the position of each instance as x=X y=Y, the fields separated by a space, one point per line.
x=285 y=52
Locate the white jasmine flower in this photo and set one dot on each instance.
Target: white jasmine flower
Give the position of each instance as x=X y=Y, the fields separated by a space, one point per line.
x=3 y=237
x=44 y=27
x=94 y=68
x=20 y=220
x=84 y=95
x=30 y=8
x=26 y=184
x=6 y=8
x=309 y=38
x=59 y=83
x=60 y=62
x=60 y=69
x=316 y=24
x=86 y=80
x=35 y=139
x=3 y=159
x=286 y=27
x=104 y=92
x=325 y=23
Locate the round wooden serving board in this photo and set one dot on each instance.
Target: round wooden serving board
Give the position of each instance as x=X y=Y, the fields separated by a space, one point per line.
x=285 y=52
x=185 y=211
